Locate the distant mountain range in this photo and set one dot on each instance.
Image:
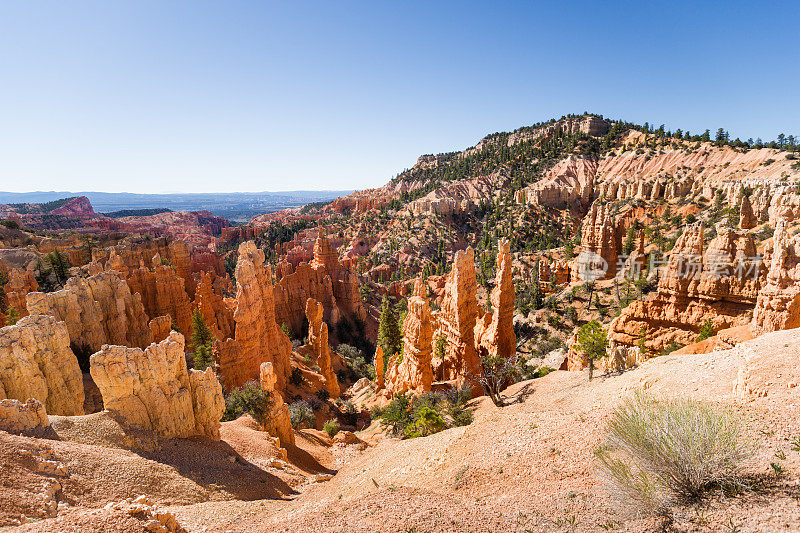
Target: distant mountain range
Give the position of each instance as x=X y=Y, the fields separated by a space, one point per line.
x=234 y=206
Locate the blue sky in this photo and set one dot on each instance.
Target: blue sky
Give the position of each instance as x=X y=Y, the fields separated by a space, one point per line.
x=249 y=96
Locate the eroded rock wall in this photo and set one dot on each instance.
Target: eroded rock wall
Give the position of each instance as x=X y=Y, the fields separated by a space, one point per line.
x=152 y=389
x=37 y=362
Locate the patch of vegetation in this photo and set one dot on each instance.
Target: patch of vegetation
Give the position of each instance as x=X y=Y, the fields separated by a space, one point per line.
x=410 y=416
x=296 y=378
x=202 y=341
x=356 y=365
x=301 y=414
x=10 y=224
x=706 y=331
x=249 y=398
x=660 y=453
x=331 y=427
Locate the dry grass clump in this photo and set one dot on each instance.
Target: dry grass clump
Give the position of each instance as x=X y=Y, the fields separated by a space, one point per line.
x=661 y=453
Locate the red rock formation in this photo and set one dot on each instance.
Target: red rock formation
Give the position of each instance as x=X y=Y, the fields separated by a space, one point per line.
x=257 y=338
x=720 y=285
x=411 y=370
x=456 y=322
x=216 y=314
x=747 y=219
x=377 y=361
x=133 y=253
x=600 y=244
x=160 y=326
x=778 y=304
x=20 y=283
x=318 y=340
x=154 y=391
x=163 y=293
x=36 y=362
x=494 y=332
x=98 y=310
x=326 y=280
x=277 y=421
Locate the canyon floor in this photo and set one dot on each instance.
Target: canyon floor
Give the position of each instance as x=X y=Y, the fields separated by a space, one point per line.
x=524 y=467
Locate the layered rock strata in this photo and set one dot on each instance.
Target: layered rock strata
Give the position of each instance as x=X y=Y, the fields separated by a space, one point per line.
x=257 y=338
x=37 y=362
x=97 y=310
x=318 y=340
x=152 y=389
x=411 y=370
x=277 y=421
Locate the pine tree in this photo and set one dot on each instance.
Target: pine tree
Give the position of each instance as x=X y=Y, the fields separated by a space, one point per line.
x=592 y=343
x=202 y=340
x=390 y=337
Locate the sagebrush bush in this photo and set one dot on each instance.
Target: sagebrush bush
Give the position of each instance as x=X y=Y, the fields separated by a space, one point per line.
x=661 y=453
x=331 y=427
x=301 y=414
x=249 y=398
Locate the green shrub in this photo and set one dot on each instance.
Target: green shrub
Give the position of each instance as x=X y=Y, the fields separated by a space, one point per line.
x=12 y=316
x=296 y=378
x=706 y=331
x=665 y=452
x=10 y=224
x=417 y=416
x=331 y=427
x=301 y=414
x=249 y=398
x=427 y=422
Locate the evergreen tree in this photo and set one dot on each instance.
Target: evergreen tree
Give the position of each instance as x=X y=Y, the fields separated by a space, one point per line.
x=202 y=340
x=592 y=343
x=60 y=265
x=390 y=338
x=629 y=245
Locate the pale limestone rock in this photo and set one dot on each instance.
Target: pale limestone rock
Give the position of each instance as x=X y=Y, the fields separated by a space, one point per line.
x=19 y=417
x=37 y=362
x=151 y=389
x=98 y=310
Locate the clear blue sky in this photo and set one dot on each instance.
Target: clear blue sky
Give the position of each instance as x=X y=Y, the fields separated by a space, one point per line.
x=196 y=96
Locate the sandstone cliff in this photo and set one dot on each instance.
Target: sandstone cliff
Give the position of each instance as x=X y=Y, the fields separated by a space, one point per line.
x=36 y=362
x=600 y=246
x=98 y=310
x=257 y=338
x=324 y=279
x=778 y=304
x=318 y=340
x=411 y=369
x=720 y=284
x=151 y=389
x=277 y=421
x=456 y=322
x=494 y=332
